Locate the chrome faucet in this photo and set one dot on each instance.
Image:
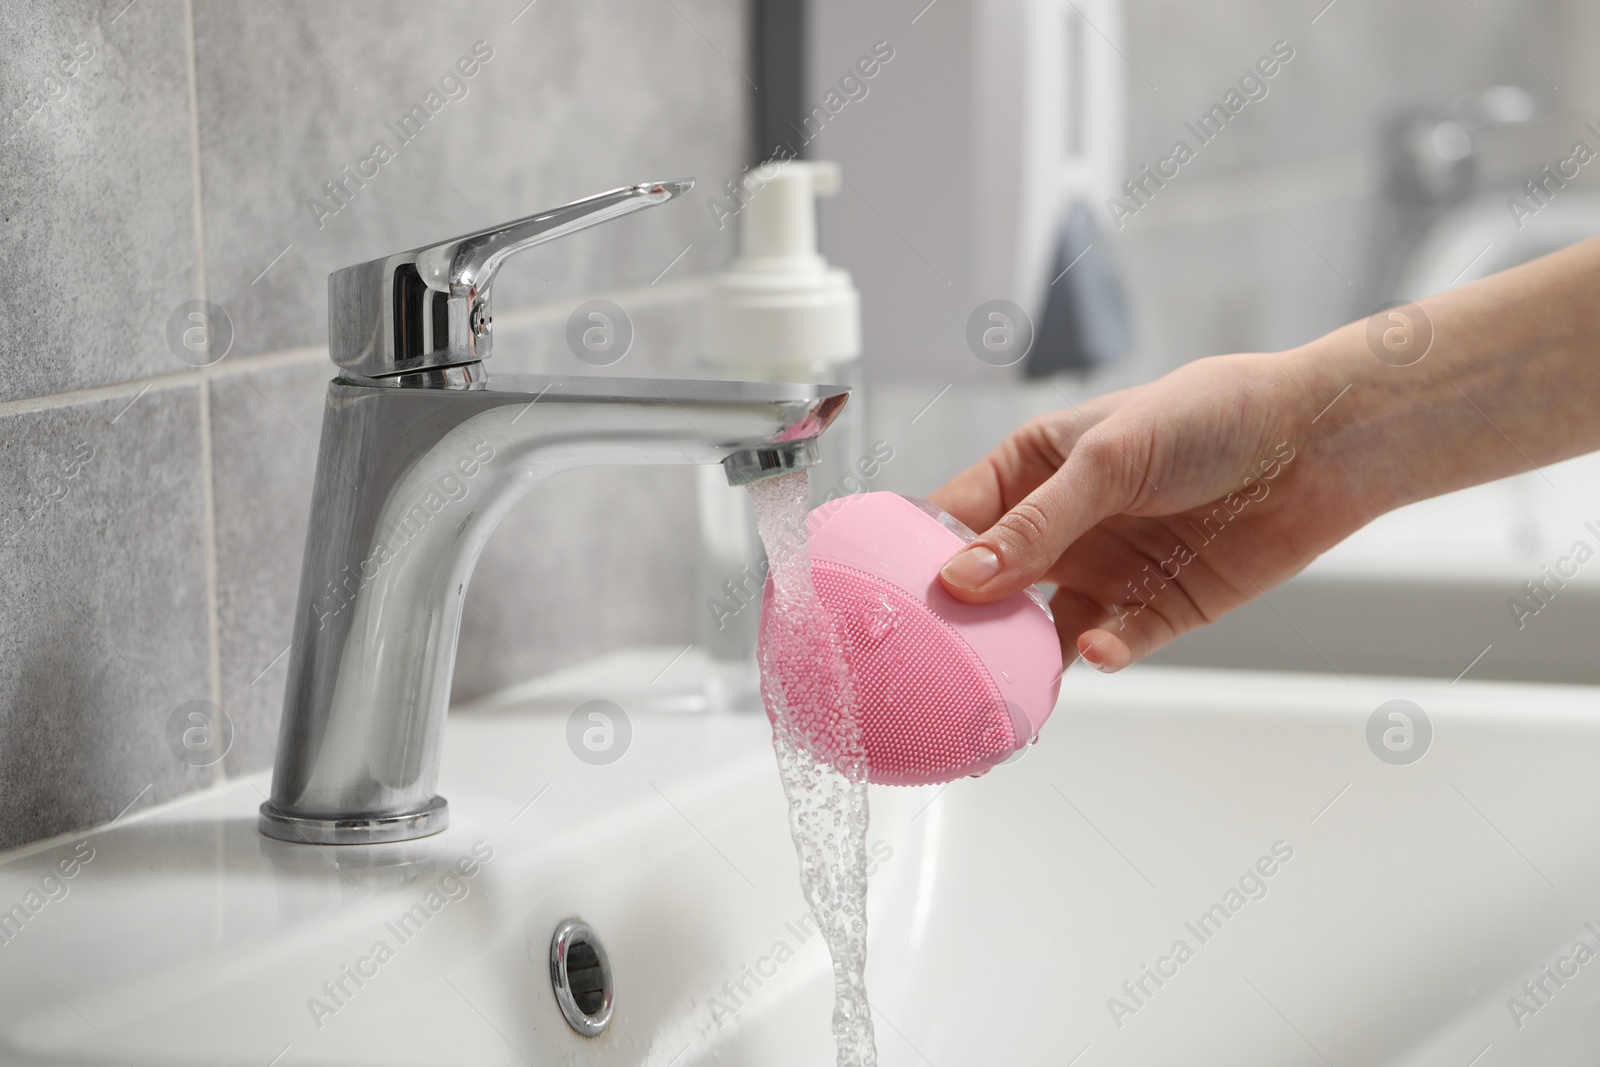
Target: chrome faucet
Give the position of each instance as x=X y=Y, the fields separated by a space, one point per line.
x=422 y=453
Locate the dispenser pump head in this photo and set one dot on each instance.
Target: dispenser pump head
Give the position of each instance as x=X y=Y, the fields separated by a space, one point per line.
x=781 y=304
x=780 y=217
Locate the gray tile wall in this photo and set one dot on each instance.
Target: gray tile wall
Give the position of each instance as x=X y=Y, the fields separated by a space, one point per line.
x=152 y=513
x=1216 y=266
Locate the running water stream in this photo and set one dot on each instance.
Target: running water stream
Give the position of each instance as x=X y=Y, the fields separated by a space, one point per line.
x=805 y=678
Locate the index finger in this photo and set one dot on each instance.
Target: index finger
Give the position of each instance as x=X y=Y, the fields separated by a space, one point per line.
x=1018 y=465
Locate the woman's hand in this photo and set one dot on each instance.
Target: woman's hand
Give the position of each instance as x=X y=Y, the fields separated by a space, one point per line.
x=1157 y=509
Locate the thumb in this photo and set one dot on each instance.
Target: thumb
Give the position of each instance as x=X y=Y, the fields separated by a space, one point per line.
x=1025 y=543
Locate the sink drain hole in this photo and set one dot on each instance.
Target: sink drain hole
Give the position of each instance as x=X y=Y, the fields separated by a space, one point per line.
x=580 y=974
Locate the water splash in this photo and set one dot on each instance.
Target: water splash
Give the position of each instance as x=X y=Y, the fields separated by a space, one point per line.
x=804 y=675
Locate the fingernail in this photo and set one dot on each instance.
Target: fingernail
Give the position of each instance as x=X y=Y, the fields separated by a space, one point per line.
x=972 y=567
x=1094 y=658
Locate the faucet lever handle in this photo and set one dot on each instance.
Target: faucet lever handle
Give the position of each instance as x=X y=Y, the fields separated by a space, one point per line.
x=472 y=259
x=429 y=307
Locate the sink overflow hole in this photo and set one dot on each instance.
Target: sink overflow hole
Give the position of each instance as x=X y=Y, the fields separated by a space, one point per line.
x=580 y=975
x=586 y=977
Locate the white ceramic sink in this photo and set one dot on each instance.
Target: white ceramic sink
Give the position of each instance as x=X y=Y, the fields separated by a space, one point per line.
x=1006 y=911
x=1426 y=590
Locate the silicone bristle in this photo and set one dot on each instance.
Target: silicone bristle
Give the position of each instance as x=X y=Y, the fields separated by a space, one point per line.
x=928 y=709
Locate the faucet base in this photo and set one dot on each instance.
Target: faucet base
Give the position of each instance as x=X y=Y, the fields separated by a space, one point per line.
x=354 y=830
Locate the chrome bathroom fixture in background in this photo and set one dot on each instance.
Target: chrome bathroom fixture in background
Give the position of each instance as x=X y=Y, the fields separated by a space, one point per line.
x=422 y=454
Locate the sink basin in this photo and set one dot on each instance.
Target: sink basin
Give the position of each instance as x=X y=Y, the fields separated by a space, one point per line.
x=1426 y=590
x=1405 y=901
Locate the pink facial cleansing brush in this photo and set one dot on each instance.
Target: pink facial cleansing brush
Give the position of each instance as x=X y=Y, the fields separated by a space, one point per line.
x=944 y=689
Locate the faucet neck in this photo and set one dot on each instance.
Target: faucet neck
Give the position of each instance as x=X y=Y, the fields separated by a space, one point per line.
x=411 y=482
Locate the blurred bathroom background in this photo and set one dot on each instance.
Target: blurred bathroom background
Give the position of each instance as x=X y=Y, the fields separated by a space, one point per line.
x=1389 y=158
x=1377 y=160
x=167 y=158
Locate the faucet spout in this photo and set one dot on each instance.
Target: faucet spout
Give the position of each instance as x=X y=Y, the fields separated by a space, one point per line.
x=753 y=465
x=413 y=478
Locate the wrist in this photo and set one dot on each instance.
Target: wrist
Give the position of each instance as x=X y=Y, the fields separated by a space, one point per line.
x=1354 y=408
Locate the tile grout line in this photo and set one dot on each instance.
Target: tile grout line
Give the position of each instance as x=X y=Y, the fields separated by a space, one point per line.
x=208 y=510
x=288 y=357
x=539 y=314
x=94 y=393
x=194 y=151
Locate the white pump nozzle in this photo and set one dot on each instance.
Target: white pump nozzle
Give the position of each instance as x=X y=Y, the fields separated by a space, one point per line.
x=781 y=304
x=779 y=221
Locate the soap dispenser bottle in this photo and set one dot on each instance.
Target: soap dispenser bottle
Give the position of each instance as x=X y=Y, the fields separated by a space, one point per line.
x=780 y=313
